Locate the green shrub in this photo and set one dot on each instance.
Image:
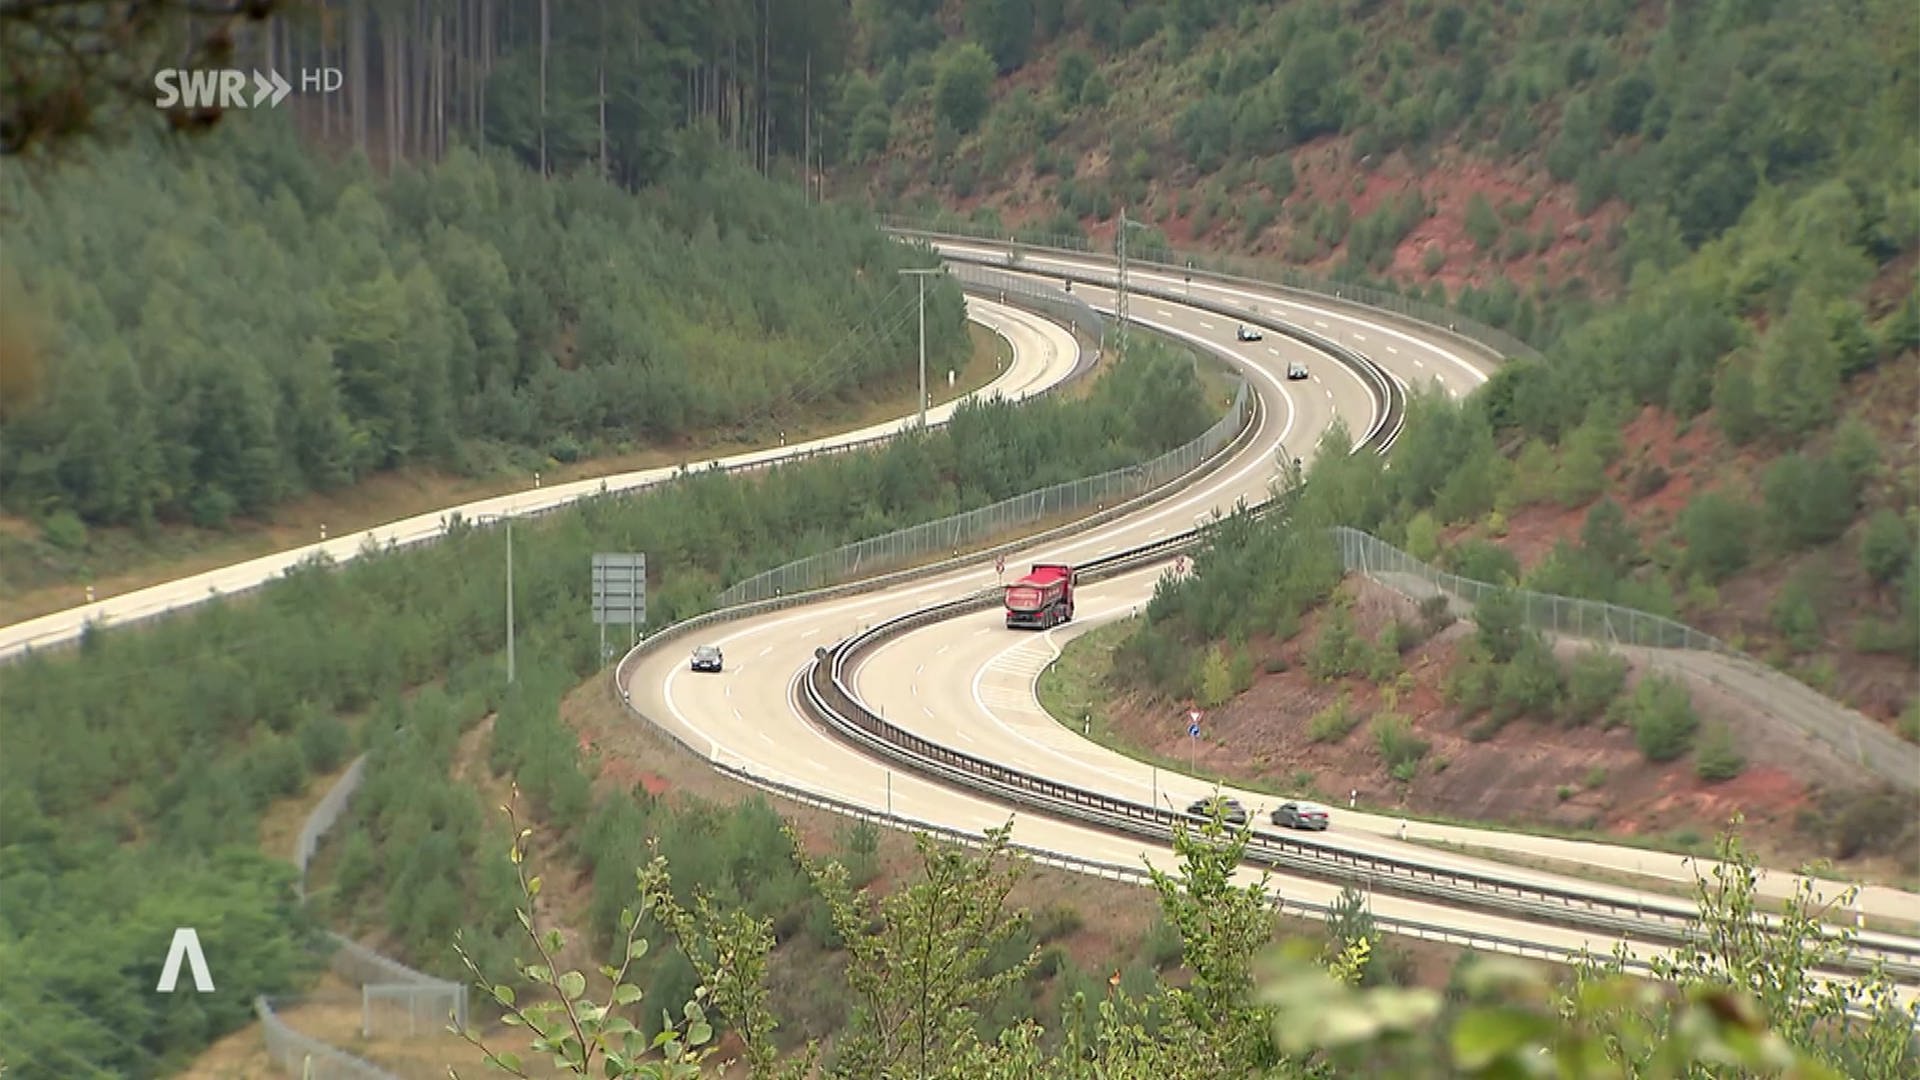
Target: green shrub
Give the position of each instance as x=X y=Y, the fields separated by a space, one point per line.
x=1531 y=684
x=1796 y=613
x=1333 y=723
x=1718 y=757
x=1719 y=536
x=1661 y=713
x=1809 y=500
x=1594 y=681
x=1886 y=546
x=1056 y=921
x=1338 y=651
x=64 y=530
x=1399 y=746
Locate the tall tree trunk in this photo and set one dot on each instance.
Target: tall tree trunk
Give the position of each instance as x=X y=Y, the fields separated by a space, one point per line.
x=439 y=86
x=544 y=31
x=806 y=138
x=603 y=89
x=765 y=108
x=396 y=82
x=488 y=38
x=357 y=62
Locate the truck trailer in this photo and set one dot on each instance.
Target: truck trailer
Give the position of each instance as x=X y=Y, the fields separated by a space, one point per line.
x=1043 y=599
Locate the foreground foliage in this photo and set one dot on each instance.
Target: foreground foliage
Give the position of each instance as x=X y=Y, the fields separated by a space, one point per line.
x=137 y=767
x=1733 y=1009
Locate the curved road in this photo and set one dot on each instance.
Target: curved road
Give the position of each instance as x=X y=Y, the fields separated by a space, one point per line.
x=968 y=682
x=1044 y=354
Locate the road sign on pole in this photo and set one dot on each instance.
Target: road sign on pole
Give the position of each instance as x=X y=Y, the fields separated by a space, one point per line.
x=1193 y=739
x=619 y=593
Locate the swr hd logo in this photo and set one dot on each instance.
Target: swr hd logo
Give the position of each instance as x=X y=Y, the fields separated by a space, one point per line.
x=232 y=88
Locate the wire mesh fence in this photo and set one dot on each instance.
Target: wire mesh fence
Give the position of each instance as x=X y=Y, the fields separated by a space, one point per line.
x=1030 y=294
x=1562 y=615
x=1672 y=646
x=1252 y=270
x=304 y=1056
x=948 y=536
x=396 y=1000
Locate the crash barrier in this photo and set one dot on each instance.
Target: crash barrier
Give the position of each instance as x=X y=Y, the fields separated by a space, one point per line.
x=830 y=698
x=538 y=502
x=952 y=533
x=1138 y=875
x=1231 y=270
x=398 y=1001
x=1853 y=736
x=1037 y=295
x=1389 y=398
x=828 y=694
x=958 y=531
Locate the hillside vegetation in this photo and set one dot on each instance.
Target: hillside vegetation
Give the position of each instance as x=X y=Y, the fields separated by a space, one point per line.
x=1517 y=159
x=1721 y=448
x=299 y=326
x=137 y=766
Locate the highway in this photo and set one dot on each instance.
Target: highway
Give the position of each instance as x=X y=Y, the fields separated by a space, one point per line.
x=998 y=715
x=967 y=682
x=1044 y=354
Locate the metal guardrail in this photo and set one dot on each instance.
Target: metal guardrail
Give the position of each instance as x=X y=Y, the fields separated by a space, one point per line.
x=959 y=530
x=1235 y=270
x=829 y=696
x=1138 y=875
x=1070 y=309
x=1389 y=400
x=866 y=585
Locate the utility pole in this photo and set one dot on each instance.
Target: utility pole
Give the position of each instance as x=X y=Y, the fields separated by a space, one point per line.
x=1120 y=293
x=509 y=601
x=922 y=275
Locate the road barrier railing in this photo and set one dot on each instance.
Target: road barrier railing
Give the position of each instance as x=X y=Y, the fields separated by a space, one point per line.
x=1389 y=400
x=687 y=627
x=539 y=502
x=829 y=696
x=956 y=531
x=1229 y=270
x=1138 y=875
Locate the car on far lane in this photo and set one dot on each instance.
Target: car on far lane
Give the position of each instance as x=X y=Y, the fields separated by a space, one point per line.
x=1301 y=815
x=1296 y=370
x=1229 y=809
x=708 y=658
x=1247 y=333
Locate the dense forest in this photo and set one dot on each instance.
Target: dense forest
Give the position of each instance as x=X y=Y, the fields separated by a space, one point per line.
x=299 y=325
x=238 y=704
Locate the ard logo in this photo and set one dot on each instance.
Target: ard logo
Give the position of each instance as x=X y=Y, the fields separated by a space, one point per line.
x=186 y=946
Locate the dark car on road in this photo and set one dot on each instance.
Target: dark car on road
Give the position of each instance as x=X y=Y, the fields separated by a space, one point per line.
x=1229 y=809
x=1247 y=333
x=1300 y=815
x=708 y=658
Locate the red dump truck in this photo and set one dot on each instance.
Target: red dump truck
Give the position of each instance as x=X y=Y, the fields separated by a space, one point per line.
x=1043 y=598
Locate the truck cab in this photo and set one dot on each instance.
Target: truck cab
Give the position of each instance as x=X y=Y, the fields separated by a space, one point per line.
x=1043 y=599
